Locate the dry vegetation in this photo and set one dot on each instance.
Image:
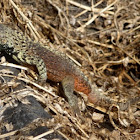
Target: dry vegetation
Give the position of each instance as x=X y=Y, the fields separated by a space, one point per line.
x=101 y=36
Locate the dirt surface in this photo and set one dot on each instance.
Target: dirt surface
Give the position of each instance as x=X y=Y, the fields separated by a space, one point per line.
x=103 y=38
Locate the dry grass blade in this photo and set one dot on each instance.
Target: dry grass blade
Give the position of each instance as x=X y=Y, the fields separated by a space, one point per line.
x=46 y=133
x=135 y=59
x=95 y=16
x=33 y=83
x=28 y=22
x=8 y=134
x=84 y=6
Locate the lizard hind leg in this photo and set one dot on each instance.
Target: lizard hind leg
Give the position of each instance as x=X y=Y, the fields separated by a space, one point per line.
x=68 y=88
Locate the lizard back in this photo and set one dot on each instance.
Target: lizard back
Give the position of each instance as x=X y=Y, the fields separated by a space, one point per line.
x=58 y=65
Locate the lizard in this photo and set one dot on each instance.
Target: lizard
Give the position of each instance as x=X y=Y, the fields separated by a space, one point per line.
x=51 y=64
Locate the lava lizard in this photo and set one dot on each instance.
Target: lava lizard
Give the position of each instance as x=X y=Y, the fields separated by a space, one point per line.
x=50 y=63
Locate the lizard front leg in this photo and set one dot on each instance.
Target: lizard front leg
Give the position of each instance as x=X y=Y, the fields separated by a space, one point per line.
x=33 y=60
x=68 y=88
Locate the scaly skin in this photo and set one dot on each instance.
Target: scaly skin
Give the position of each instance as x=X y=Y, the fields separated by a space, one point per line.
x=53 y=65
x=50 y=63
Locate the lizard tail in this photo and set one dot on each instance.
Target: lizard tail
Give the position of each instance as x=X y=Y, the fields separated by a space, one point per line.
x=97 y=95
